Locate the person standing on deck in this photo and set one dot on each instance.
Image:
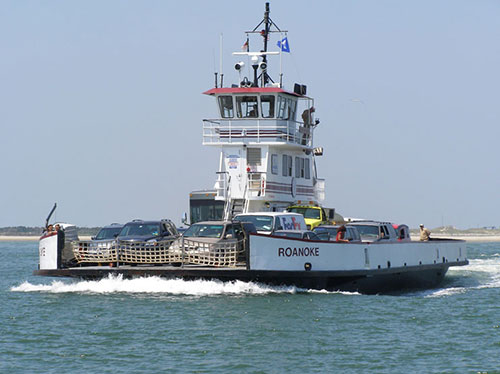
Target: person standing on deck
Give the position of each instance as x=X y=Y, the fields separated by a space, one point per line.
x=424 y=233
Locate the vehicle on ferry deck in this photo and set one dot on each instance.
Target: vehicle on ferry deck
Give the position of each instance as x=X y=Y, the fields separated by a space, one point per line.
x=217 y=231
x=403 y=232
x=351 y=234
x=313 y=215
x=147 y=231
x=107 y=233
x=297 y=234
x=374 y=231
x=269 y=222
x=217 y=237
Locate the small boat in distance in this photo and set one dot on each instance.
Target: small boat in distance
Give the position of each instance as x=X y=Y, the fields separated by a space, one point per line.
x=266 y=165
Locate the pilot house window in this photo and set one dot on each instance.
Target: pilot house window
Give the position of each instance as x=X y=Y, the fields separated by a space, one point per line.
x=286 y=108
x=226 y=106
x=246 y=107
x=267 y=106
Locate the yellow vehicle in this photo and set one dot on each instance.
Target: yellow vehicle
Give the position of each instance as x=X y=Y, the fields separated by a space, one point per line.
x=313 y=215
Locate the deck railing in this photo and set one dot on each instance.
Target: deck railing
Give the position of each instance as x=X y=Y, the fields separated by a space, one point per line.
x=228 y=131
x=222 y=185
x=256 y=184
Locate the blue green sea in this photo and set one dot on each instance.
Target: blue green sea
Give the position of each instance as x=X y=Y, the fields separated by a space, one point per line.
x=151 y=325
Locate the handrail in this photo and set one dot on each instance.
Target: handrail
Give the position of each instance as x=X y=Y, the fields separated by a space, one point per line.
x=256 y=183
x=216 y=131
x=228 y=202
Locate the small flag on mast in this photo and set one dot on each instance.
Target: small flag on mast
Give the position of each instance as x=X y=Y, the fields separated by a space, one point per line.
x=245 y=46
x=283 y=44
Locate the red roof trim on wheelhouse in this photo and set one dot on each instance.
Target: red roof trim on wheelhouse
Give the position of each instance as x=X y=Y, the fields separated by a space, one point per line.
x=230 y=90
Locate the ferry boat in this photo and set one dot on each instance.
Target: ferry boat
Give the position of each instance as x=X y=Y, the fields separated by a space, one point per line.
x=267 y=163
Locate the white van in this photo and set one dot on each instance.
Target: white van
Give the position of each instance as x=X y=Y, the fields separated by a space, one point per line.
x=269 y=222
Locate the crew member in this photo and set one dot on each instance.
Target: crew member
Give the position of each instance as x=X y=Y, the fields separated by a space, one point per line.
x=307 y=116
x=60 y=236
x=341 y=235
x=424 y=233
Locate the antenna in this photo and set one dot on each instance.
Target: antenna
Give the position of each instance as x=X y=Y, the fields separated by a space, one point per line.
x=220 y=59
x=268 y=23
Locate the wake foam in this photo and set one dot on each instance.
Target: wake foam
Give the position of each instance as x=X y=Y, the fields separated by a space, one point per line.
x=157 y=285
x=479 y=274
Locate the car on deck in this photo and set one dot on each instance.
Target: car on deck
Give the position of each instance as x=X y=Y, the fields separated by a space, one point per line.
x=314 y=215
x=375 y=231
x=269 y=222
x=297 y=234
x=107 y=233
x=217 y=237
x=148 y=231
x=351 y=234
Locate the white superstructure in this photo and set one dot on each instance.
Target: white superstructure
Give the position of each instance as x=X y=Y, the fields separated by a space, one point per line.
x=266 y=137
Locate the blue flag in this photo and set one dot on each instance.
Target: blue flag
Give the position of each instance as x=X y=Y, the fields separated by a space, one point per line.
x=283 y=44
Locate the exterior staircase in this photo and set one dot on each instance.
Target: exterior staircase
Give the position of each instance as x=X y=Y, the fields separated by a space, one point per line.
x=237 y=207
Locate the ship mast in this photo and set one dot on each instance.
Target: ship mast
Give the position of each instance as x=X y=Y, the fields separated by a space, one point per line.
x=268 y=23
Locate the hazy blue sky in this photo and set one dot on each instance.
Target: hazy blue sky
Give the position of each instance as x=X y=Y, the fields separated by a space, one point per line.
x=101 y=107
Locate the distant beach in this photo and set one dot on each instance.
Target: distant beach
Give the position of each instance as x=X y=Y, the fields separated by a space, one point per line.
x=469 y=238
x=4 y=238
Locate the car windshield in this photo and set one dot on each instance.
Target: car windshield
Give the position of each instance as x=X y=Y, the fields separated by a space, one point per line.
x=306 y=212
x=261 y=223
x=108 y=233
x=368 y=231
x=140 y=229
x=201 y=230
x=297 y=235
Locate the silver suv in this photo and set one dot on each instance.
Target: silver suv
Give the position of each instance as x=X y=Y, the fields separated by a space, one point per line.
x=374 y=231
x=107 y=233
x=148 y=231
x=329 y=232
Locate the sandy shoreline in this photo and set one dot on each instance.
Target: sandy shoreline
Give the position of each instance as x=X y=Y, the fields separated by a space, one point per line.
x=7 y=238
x=469 y=238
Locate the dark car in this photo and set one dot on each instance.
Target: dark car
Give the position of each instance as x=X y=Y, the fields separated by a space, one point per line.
x=297 y=234
x=148 y=231
x=325 y=231
x=108 y=233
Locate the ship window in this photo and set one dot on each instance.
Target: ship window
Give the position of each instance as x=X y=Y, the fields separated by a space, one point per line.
x=282 y=108
x=308 y=169
x=226 y=106
x=246 y=107
x=274 y=164
x=287 y=166
x=254 y=156
x=267 y=106
x=300 y=171
x=292 y=109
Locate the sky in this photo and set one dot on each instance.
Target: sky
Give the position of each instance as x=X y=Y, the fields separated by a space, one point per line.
x=101 y=105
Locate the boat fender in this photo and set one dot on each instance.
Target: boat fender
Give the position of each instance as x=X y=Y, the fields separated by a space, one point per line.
x=307 y=266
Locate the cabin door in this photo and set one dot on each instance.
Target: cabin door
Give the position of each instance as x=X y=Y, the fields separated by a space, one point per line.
x=235 y=166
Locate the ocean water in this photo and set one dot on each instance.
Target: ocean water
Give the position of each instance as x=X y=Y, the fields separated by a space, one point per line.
x=153 y=325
